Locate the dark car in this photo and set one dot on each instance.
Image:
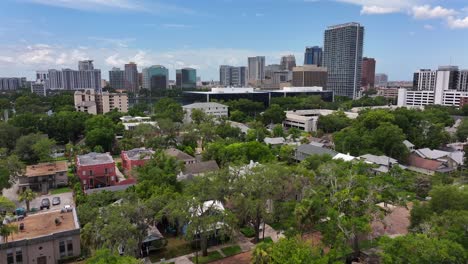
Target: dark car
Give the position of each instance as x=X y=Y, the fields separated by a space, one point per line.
x=56 y=201
x=45 y=203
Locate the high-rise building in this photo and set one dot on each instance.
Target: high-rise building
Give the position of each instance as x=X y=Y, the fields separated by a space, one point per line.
x=256 y=69
x=42 y=76
x=131 y=77
x=186 y=78
x=342 y=56
x=117 y=78
x=309 y=75
x=86 y=65
x=11 y=84
x=462 y=83
x=231 y=76
x=313 y=56
x=155 y=78
x=271 y=69
x=424 y=80
x=92 y=102
x=381 y=80
x=288 y=62
x=368 y=73
x=67 y=79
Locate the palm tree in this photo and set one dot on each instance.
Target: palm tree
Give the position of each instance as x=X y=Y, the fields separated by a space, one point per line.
x=28 y=195
x=7 y=230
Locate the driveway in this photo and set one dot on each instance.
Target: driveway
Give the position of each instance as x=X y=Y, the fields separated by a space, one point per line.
x=65 y=199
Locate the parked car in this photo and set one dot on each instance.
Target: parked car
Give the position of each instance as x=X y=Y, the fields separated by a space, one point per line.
x=56 y=201
x=45 y=203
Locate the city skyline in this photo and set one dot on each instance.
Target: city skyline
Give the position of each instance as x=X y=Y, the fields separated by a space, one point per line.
x=42 y=35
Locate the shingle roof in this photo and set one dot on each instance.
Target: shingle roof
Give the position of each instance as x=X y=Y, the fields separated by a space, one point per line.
x=274 y=141
x=311 y=150
x=201 y=167
x=432 y=153
x=180 y=155
x=43 y=169
x=380 y=160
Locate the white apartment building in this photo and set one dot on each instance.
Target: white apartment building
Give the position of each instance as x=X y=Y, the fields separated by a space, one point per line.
x=213 y=109
x=92 y=102
x=307 y=119
x=446 y=86
x=131 y=122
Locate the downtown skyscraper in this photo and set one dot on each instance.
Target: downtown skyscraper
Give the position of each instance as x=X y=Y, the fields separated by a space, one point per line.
x=86 y=77
x=343 y=48
x=117 y=78
x=232 y=76
x=313 y=56
x=256 y=69
x=131 y=77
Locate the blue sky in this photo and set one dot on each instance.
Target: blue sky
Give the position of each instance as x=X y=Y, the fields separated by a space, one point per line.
x=403 y=35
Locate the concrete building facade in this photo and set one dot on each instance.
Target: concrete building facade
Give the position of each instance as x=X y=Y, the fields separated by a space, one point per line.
x=342 y=56
x=212 y=109
x=131 y=77
x=117 y=78
x=256 y=68
x=92 y=102
x=309 y=75
x=368 y=73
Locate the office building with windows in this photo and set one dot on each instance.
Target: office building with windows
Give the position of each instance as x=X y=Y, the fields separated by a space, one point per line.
x=309 y=75
x=186 y=78
x=313 y=56
x=256 y=69
x=342 y=56
x=155 y=78
x=131 y=77
x=368 y=73
x=117 y=78
x=232 y=76
x=381 y=80
x=86 y=77
x=11 y=84
x=288 y=62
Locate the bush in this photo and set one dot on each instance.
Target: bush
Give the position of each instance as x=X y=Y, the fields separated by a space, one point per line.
x=248 y=231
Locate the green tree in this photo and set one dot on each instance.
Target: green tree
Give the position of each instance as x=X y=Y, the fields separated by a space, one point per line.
x=334 y=122
x=237 y=116
x=278 y=131
x=33 y=148
x=105 y=256
x=421 y=249
x=170 y=109
x=198 y=116
x=462 y=131
x=66 y=126
x=8 y=136
x=10 y=168
x=273 y=115
x=288 y=251
x=43 y=149
x=27 y=196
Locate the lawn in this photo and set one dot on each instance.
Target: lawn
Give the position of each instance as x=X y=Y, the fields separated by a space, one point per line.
x=212 y=256
x=232 y=250
x=175 y=247
x=60 y=190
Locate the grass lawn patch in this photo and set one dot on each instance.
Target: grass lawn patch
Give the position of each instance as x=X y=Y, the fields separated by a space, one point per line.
x=175 y=247
x=60 y=190
x=248 y=231
x=212 y=256
x=232 y=250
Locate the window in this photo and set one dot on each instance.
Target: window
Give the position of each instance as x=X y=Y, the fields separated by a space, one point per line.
x=70 y=247
x=90 y=173
x=10 y=259
x=84 y=173
x=62 y=249
x=19 y=256
x=105 y=170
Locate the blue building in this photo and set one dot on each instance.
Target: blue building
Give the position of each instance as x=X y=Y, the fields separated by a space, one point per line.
x=313 y=56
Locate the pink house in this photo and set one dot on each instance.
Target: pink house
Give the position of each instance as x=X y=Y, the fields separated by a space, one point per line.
x=135 y=158
x=96 y=170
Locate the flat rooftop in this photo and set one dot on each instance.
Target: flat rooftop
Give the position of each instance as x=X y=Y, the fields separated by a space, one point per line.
x=44 y=169
x=139 y=154
x=43 y=224
x=94 y=158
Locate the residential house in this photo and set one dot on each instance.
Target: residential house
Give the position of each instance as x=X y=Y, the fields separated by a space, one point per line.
x=345 y=157
x=96 y=170
x=425 y=166
x=409 y=145
x=383 y=163
x=135 y=158
x=276 y=141
x=243 y=127
x=180 y=155
x=197 y=169
x=45 y=238
x=450 y=159
x=306 y=150
x=44 y=176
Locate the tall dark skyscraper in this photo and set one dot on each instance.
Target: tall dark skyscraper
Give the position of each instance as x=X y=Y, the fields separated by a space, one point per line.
x=313 y=56
x=186 y=78
x=343 y=48
x=368 y=73
x=131 y=77
x=117 y=78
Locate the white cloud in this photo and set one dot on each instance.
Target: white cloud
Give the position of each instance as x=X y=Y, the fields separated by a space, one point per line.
x=119 y=42
x=457 y=23
x=371 y=10
x=428 y=27
x=6 y=59
x=427 y=12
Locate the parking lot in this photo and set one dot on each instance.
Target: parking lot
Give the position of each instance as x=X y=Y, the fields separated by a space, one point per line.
x=65 y=199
